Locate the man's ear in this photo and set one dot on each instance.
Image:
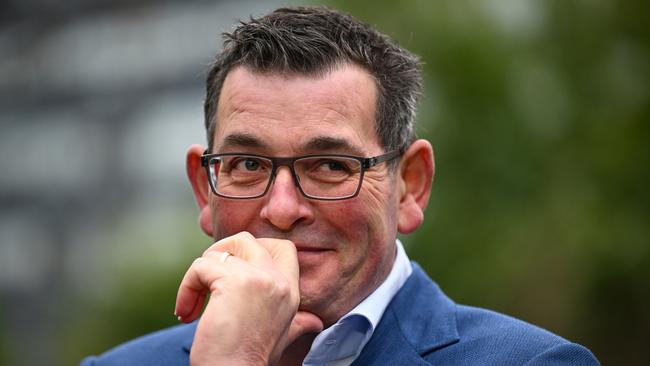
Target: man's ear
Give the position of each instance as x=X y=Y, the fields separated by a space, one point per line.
x=199 y=181
x=417 y=168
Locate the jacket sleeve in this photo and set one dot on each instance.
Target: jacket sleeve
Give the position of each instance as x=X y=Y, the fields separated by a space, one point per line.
x=88 y=361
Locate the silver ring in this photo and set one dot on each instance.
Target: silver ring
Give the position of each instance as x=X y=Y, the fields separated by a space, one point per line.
x=224 y=256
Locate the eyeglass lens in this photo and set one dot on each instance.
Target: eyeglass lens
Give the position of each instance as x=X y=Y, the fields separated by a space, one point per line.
x=318 y=176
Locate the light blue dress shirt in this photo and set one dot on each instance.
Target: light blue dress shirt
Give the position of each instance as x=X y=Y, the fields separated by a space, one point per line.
x=340 y=344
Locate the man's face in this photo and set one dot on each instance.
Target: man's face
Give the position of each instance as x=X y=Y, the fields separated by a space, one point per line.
x=345 y=248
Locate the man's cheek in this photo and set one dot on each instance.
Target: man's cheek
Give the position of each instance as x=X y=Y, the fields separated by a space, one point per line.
x=349 y=217
x=231 y=217
x=374 y=210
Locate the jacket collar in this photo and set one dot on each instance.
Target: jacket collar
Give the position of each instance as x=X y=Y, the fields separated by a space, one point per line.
x=419 y=320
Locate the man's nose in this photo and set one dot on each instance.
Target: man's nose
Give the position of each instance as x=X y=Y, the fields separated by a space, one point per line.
x=285 y=206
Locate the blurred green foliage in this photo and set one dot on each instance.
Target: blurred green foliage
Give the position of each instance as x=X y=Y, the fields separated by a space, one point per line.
x=538 y=112
x=141 y=296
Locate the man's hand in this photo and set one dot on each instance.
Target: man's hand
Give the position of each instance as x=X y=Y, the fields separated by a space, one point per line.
x=252 y=314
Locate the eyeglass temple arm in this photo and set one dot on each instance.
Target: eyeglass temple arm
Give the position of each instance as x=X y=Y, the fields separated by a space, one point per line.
x=370 y=162
x=204 y=158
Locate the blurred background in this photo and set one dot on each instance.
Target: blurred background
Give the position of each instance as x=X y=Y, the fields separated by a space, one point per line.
x=538 y=111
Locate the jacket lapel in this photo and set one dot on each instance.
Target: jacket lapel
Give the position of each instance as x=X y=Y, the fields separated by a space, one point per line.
x=420 y=319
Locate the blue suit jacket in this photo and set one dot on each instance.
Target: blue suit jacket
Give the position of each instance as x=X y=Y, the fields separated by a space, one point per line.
x=421 y=326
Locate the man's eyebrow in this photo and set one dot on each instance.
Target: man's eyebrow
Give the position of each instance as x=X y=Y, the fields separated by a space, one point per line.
x=241 y=140
x=326 y=143
x=316 y=144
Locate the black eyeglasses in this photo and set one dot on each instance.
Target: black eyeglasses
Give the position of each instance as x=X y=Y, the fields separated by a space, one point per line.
x=327 y=177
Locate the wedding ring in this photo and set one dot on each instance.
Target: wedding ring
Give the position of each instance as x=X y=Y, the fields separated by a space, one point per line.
x=224 y=256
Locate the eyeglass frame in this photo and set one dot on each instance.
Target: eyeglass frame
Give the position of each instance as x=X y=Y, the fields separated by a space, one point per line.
x=366 y=163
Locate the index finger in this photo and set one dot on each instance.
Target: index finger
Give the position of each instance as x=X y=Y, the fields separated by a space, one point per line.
x=244 y=246
x=283 y=254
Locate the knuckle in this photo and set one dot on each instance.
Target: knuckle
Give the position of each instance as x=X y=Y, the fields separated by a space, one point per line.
x=213 y=247
x=282 y=289
x=233 y=243
x=243 y=237
x=247 y=235
x=289 y=245
x=263 y=281
x=212 y=254
x=198 y=262
x=197 y=268
x=286 y=241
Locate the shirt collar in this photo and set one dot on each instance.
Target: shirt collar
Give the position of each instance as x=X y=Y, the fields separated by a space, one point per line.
x=341 y=343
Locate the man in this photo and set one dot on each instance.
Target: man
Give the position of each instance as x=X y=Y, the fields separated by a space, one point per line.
x=311 y=170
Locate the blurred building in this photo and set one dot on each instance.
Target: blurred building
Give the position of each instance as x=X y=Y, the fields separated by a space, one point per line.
x=98 y=101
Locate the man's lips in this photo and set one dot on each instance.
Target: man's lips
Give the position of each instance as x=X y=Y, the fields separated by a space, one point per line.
x=311 y=255
x=311 y=247
x=307 y=249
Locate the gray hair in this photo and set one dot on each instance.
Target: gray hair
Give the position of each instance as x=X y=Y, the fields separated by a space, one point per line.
x=314 y=41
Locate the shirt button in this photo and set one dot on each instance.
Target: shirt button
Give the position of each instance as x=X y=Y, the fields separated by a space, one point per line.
x=330 y=342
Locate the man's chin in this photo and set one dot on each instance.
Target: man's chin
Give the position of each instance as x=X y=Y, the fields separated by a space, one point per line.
x=316 y=299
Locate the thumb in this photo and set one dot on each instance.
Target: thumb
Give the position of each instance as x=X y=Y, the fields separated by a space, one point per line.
x=303 y=323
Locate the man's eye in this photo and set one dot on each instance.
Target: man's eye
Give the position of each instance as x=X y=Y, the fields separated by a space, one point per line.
x=248 y=164
x=333 y=165
x=330 y=165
